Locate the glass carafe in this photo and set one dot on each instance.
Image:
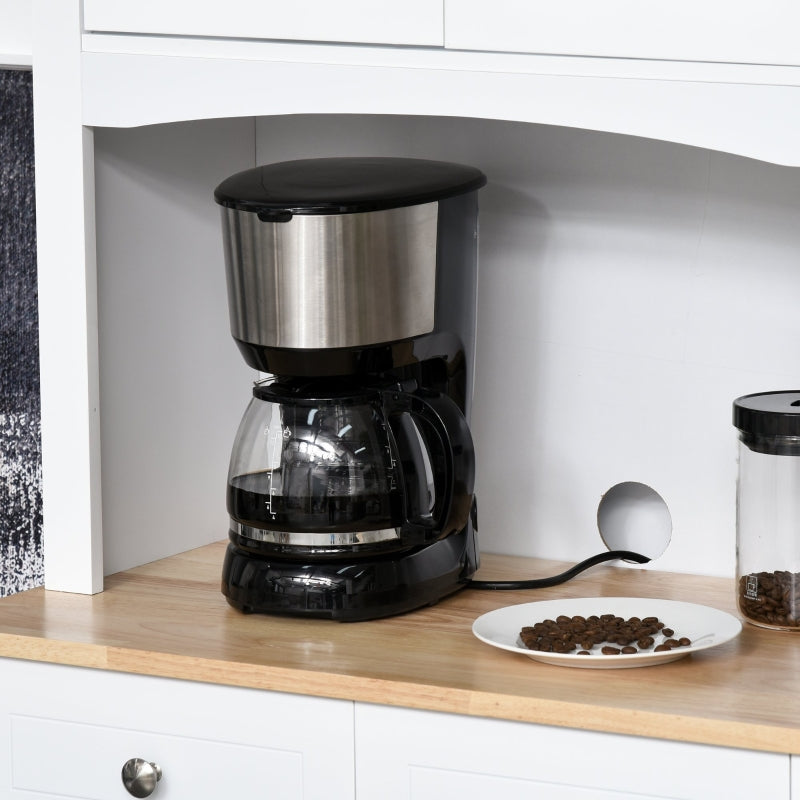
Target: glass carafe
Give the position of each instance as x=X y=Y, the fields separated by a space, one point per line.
x=328 y=466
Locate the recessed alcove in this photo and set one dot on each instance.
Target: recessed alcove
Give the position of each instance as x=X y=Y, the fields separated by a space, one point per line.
x=629 y=289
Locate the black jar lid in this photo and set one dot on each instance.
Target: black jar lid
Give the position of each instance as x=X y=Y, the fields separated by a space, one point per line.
x=768 y=413
x=344 y=185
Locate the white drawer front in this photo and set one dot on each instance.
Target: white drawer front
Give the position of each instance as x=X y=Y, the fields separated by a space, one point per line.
x=69 y=759
x=413 y=22
x=67 y=733
x=420 y=755
x=692 y=30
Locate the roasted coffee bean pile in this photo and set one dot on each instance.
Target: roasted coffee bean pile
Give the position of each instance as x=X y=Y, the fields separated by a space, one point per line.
x=607 y=634
x=771 y=598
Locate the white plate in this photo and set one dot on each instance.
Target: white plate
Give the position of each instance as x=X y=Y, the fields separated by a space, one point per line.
x=705 y=626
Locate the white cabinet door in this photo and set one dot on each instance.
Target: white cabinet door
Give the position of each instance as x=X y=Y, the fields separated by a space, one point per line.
x=795 y=793
x=693 y=30
x=427 y=756
x=67 y=733
x=412 y=22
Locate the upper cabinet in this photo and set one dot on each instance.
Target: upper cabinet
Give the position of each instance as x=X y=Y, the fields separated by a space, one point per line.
x=733 y=31
x=726 y=31
x=716 y=74
x=413 y=22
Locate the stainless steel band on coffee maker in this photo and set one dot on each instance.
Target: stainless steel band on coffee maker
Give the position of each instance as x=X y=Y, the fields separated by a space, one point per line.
x=323 y=281
x=312 y=539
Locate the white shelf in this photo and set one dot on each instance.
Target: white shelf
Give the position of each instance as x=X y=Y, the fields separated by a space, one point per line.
x=748 y=110
x=15 y=60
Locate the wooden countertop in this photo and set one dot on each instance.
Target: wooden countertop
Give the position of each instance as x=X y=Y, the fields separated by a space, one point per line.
x=169 y=619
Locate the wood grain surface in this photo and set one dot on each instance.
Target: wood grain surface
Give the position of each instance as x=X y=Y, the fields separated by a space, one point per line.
x=169 y=619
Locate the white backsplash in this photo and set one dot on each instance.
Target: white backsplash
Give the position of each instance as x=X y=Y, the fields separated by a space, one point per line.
x=629 y=291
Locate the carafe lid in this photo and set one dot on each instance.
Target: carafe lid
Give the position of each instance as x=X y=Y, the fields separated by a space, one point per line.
x=315 y=391
x=344 y=186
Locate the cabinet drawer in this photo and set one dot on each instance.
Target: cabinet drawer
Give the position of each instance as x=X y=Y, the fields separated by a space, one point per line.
x=75 y=760
x=413 y=22
x=419 y=755
x=68 y=732
x=690 y=30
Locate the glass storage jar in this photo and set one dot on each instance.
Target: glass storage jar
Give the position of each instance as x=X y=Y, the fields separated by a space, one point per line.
x=768 y=509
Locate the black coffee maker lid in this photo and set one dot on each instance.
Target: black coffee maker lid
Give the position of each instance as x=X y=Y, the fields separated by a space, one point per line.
x=344 y=185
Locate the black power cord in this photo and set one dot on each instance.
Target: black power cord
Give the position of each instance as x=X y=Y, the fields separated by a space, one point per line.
x=541 y=583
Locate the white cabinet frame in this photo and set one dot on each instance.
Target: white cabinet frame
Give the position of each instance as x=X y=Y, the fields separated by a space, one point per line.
x=84 y=80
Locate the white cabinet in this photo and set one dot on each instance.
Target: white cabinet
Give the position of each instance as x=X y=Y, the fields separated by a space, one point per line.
x=413 y=22
x=129 y=64
x=403 y=754
x=730 y=31
x=711 y=30
x=66 y=732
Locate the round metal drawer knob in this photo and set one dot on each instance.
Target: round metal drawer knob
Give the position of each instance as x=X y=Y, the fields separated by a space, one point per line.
x=140 y=777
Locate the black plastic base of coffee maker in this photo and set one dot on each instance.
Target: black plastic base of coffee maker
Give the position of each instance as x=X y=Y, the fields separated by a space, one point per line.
x=349 y=592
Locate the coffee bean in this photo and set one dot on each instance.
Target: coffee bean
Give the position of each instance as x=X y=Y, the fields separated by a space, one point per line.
x=611 y=632
x=771 y=598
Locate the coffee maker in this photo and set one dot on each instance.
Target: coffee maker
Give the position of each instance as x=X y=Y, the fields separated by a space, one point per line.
x=352 y=288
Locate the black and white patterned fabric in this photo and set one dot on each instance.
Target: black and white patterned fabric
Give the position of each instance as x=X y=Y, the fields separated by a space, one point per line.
x=21 y=556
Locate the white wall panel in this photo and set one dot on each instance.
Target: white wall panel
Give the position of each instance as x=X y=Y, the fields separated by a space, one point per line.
x=629 y=291
x=172 y=383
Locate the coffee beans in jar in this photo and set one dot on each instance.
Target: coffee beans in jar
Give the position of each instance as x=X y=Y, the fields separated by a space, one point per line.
x=768 y=509
x=604 y=634
x=771 y=599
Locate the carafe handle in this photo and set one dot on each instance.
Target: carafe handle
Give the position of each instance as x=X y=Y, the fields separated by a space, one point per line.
x=451 y=451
